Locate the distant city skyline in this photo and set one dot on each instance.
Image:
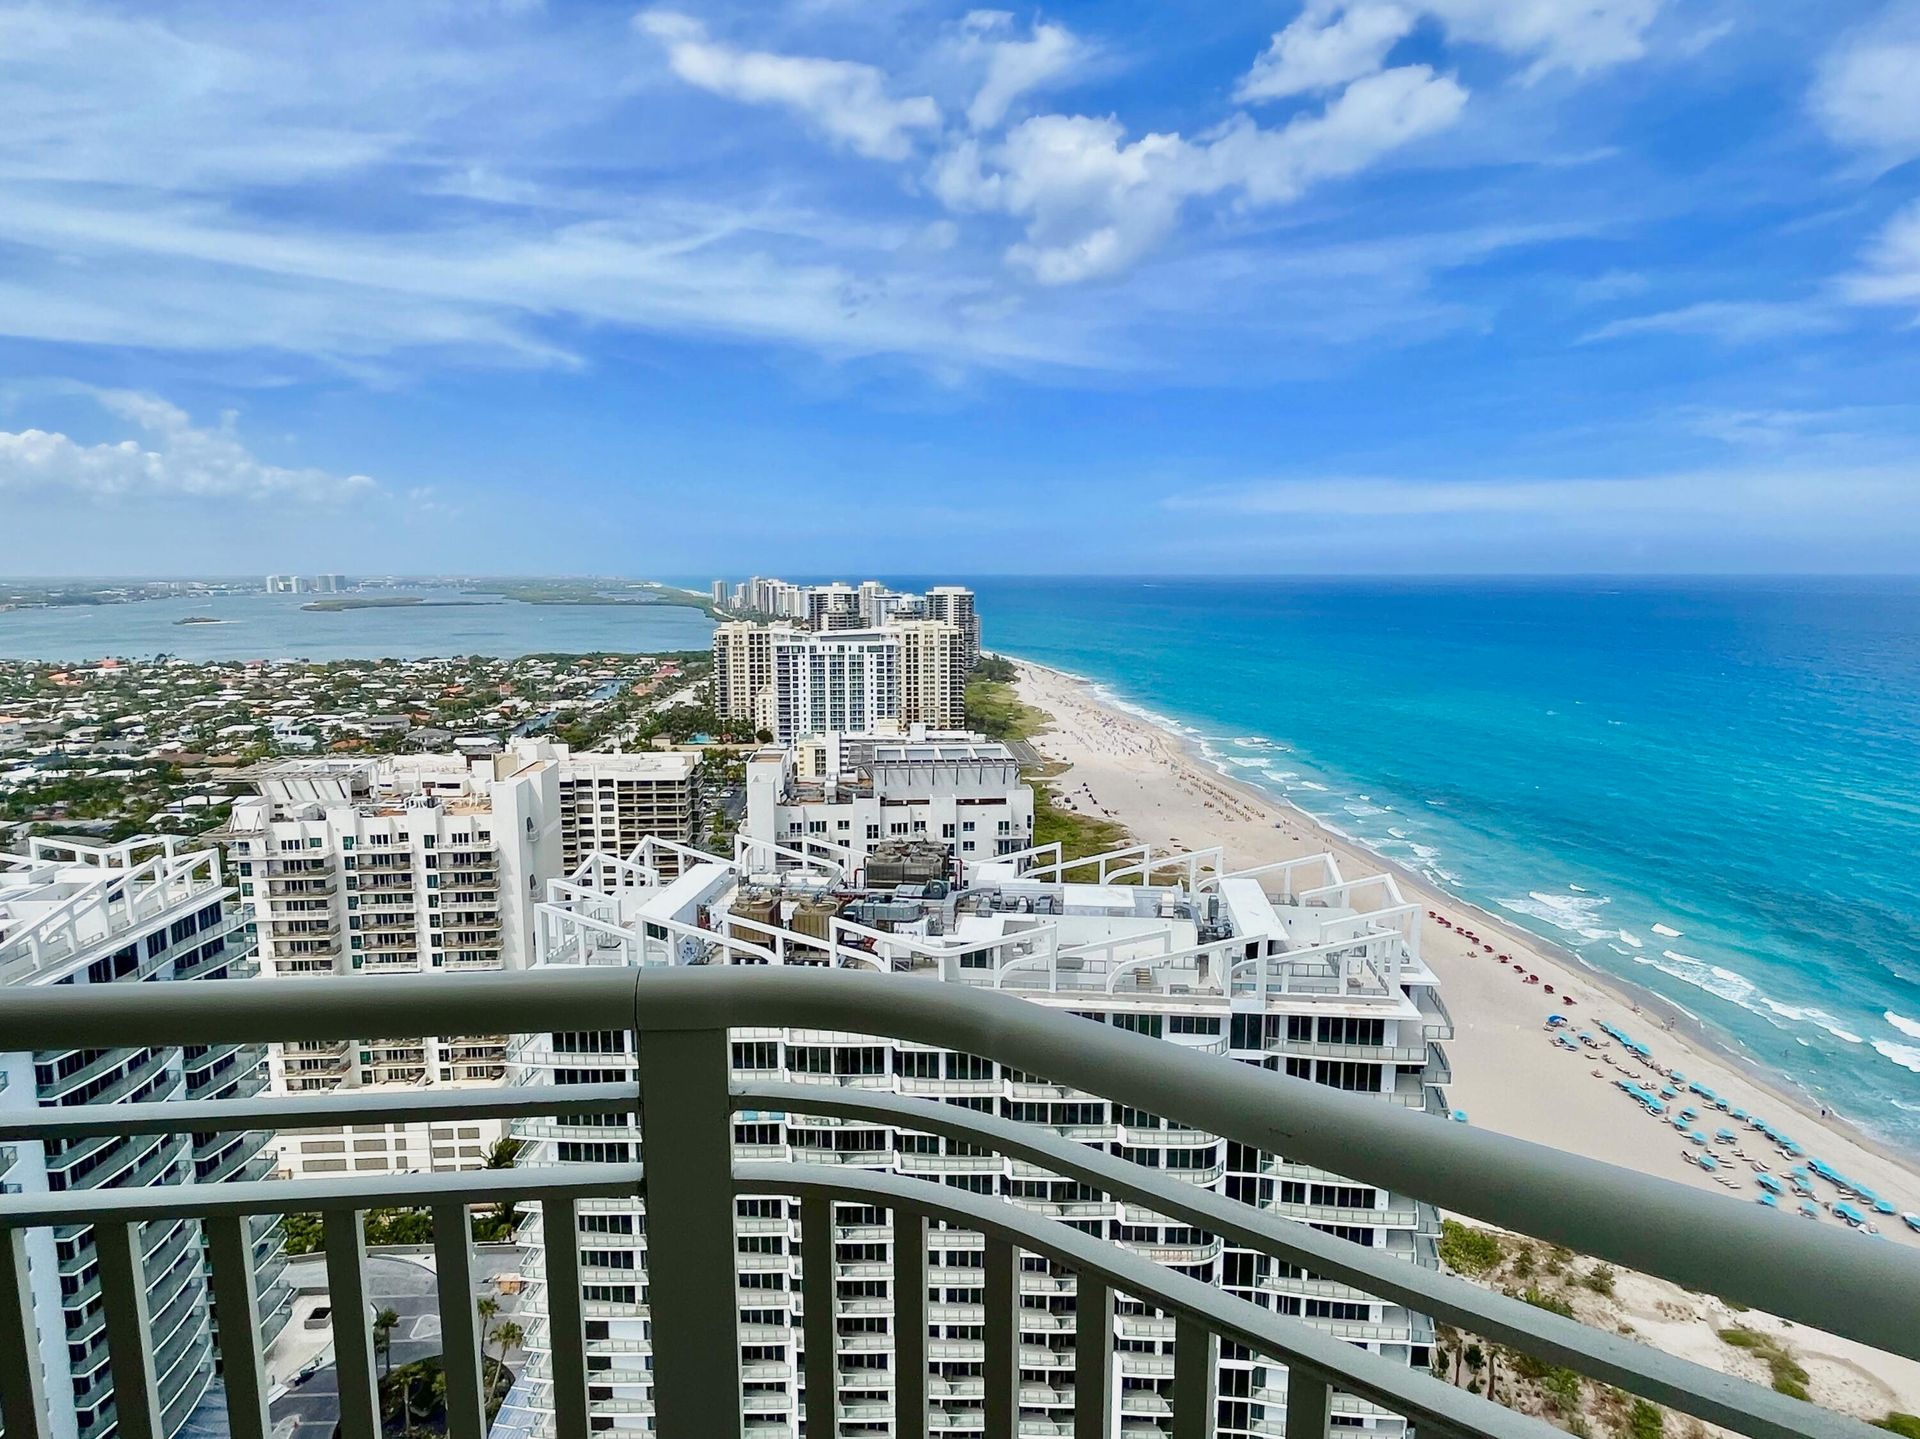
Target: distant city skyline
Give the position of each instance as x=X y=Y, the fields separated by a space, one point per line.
x=1333 y=286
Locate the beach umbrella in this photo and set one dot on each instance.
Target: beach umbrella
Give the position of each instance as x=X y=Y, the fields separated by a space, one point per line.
x=1709 y=1163
x=1460 y=1116
x=1880 y=1206
x=1666 y=1093
x=1737 y=1113
x=1771 y=1185
x=1726 y=1134
x=1809 y=1211
x=1676 y=1076
x=1769 y=1201
x=1849 y=1213
x=1697 y=1137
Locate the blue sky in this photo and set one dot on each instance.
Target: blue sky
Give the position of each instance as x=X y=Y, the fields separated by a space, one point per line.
x=835 y=285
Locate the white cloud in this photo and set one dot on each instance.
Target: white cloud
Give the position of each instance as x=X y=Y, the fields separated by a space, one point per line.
x=1779 y=499
x=1335 y=42
x=1095 y=203
x=1014 y=68
x=1734 y=322
x=1580 y=36
x=844 y=99
x=1330 y=44
x=175 y=459
x=1867 y=94
x=1891 y=273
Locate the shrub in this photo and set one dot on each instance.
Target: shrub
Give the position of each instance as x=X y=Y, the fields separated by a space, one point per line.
x=1600 y=1281
x=1466 y=1250
x=1562 y=1388
x=1907 y=1425
x=1552 y=1303
x=1644 y=1421
x=1789 y=1378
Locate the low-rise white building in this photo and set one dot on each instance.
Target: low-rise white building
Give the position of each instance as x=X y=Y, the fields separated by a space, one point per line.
x=849 y=794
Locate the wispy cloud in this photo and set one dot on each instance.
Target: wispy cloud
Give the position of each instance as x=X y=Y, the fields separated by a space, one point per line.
x=846 y=100
x=1733 y=322
x=1866 y=94
x=1775 y=499
x=172 y=459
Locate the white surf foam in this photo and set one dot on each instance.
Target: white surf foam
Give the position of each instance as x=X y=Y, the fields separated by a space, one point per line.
x=1818 y=1017
x=1665 y=933
x=1907 y=1056
x=1569 y=913
x=1309 y=784
x=1908 y=1027
x=1628 y=937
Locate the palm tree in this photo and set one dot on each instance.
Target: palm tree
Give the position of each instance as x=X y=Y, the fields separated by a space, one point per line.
x=509 y=1336
x=383 y=1325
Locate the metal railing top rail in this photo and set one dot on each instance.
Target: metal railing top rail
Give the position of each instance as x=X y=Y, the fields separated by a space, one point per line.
x=1841 y=1283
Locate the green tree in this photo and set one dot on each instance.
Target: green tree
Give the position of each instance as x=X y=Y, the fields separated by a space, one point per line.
x=507 y=1336
x=383 y=1324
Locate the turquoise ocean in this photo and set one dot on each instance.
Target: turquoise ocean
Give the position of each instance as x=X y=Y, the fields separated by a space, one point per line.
x=1707 y=788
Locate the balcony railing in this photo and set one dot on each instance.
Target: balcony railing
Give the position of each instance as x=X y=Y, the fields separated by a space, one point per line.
x=1841 y=1283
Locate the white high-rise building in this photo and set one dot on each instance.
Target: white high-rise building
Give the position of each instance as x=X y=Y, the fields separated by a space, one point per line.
x=150 y=910
x=850 y=795
x=426 y=864
x=1292 y=967
x=793 y=682
x=954 y=604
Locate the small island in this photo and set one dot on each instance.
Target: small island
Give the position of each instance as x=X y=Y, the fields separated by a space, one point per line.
x=198 y=620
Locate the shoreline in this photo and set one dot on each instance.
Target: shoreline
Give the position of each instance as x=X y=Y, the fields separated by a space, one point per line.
x=1120 y=764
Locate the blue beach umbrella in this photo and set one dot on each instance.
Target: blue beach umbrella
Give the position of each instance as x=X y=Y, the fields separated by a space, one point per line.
x=1771 y=1185
x=1769 y=1201
x=1809 y=1211
x=1459 y=1116
x=1849 y=1213
x=1709 y=1163
x=1726 y=1134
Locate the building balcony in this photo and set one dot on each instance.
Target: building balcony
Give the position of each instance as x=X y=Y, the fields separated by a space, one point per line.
x=677 y=1021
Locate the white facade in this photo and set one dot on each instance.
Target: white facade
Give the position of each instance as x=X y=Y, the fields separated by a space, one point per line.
x=854 y=792
x=1293 y=968
x=148 y=910
x=791 y=681
x=426 y=864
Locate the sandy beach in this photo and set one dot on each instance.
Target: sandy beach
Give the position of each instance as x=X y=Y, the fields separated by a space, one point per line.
x=1508 y=1076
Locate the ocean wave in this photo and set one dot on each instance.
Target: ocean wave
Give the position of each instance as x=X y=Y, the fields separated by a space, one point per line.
x=1254 y=741
x=1569 y=913
x=1907 y=1056
x=1250 y=761
x=1817 y=1017
x=1666 y=933
x=1363 y=811
x=1628 y=937
x=1308 y=784
x=1908 y=1027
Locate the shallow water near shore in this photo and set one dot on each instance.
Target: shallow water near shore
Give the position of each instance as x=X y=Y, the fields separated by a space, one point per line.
x=1706 y=788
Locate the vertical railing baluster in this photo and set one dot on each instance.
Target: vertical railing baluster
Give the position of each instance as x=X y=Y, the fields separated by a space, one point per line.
x=691 y=1283
x=566 y=1319
x=236 y=1309
x=1309 y=1404
x=345 y=1238
x=909 y=1324
x=1002 y=1328
x=460 y=1337
x=1193 y=1374
x=1092 y=1358
x=123 y=1290
x=23 y=1388
x=816 y=1293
